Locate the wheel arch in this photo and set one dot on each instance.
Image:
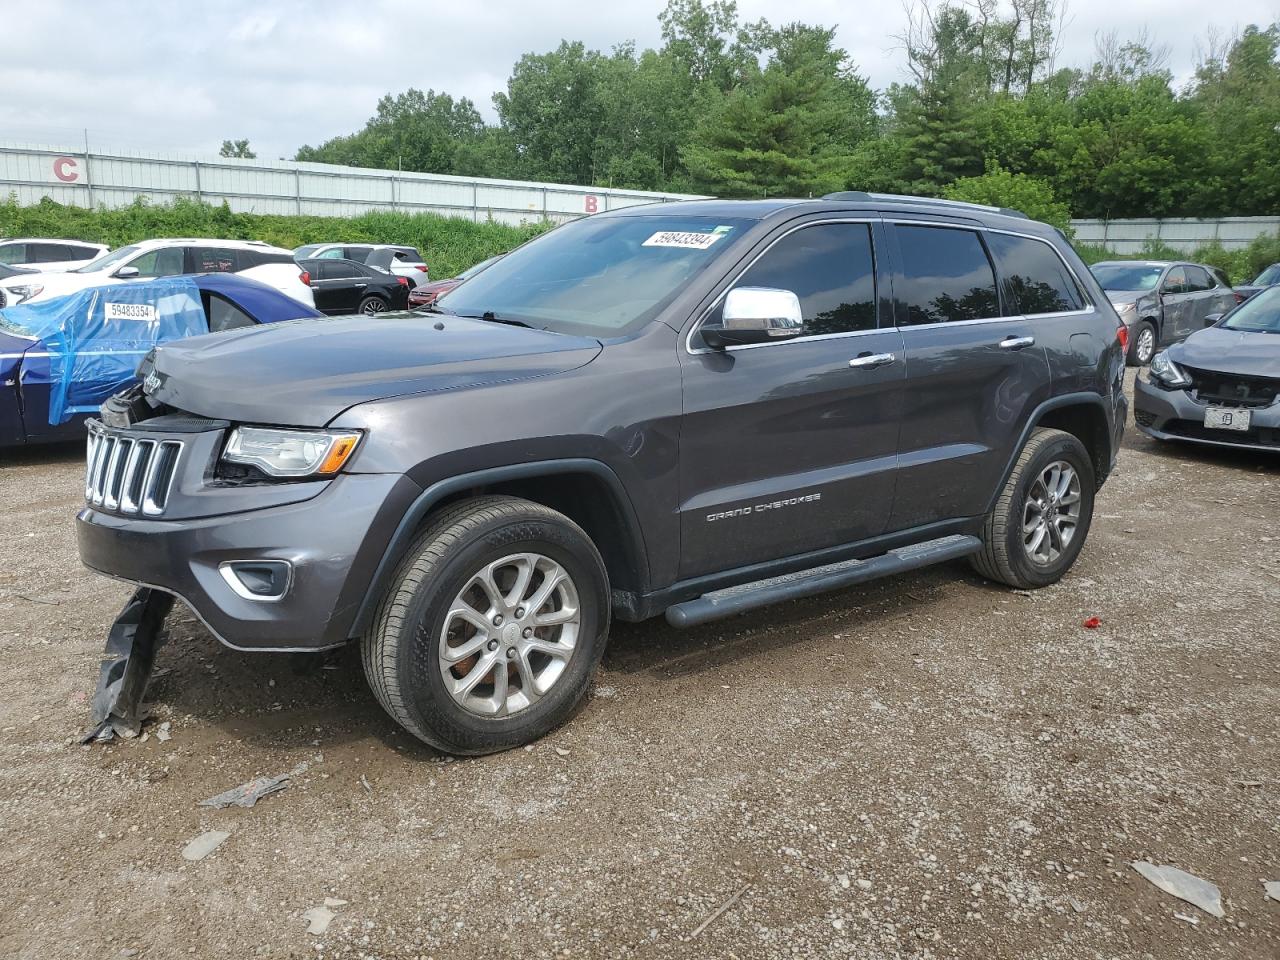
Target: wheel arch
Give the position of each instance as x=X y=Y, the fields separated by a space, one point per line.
x=1084 y=416
x=587 y=491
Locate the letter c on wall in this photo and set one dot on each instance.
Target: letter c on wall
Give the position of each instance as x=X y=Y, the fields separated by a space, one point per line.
x=64 y=168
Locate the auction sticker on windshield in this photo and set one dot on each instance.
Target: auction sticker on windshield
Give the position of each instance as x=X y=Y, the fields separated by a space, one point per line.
x=130 y=311
x=685 y=241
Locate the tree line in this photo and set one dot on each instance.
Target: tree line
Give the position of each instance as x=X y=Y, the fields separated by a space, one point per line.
x=984 y=113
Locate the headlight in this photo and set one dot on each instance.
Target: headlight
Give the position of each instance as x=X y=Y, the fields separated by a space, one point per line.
x=291 y=453
x=1127 y=311
x=26 y=291
x=1167 y=372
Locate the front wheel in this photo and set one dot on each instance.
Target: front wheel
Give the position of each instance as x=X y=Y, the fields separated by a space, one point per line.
x=492 y=628
x=1144 y=344
x=1039 y=523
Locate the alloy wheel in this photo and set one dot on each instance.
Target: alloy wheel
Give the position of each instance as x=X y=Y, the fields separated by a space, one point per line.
x=509 y=634
x=1051 y=513
x=1146 y=347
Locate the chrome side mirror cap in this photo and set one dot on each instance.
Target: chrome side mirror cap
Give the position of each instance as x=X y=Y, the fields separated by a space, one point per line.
x=755 y=315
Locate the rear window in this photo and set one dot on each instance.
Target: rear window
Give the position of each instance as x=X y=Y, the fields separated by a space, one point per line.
x=1034 y=276
x=409 y=254
x=947 y=276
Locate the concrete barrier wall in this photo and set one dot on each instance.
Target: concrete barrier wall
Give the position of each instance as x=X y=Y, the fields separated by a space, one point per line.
x=115 y=178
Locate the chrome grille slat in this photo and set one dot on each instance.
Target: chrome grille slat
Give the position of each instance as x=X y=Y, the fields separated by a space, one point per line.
x=130 y=473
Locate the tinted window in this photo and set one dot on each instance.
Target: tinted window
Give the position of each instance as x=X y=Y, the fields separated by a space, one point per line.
x=165 y=262
x=214 y=260
x=1035 y=279
x=13 y=253
x=78 y=252
x=225 y=315
x=946 y=276
x=339 y=270
x=1175 y=281
x=356 y=253
x=830 y=268
x=1198 y=279
x=50 y=253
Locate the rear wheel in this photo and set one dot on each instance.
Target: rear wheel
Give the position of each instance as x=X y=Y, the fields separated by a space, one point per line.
x=492 y=627
x=1039 y=523
x=1143 y=347
x=373 y=304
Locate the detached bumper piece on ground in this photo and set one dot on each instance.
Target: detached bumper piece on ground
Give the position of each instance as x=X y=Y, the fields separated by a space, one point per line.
x=130 y=656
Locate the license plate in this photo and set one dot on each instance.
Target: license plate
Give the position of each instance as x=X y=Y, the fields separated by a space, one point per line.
x=1227 y=418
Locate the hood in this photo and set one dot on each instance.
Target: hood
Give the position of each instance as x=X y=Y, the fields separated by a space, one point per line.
x=1230 y=351
x=306 y=372
x=1120 y=297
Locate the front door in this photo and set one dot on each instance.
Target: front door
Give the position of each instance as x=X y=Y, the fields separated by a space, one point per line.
x=1178 y=303
x=790 y=447
x=973 y=375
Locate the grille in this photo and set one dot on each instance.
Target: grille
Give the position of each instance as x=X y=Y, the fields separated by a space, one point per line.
x=129 y=473
x=1143 y=418
x=1233 y=390
x=1257 y=436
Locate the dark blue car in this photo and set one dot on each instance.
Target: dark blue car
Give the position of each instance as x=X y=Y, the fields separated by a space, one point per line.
x=61 y=358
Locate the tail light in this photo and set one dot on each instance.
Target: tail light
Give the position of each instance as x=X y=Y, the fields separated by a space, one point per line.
x=1122 y=334
x=423 y=268
x=305 y=277
x=1239 y=297
x=403 y=281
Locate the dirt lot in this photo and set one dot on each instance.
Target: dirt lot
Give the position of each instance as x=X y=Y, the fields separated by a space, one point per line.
x=927 y=767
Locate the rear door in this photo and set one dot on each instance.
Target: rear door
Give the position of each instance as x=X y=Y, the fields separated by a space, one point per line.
x=786 y=447
x=339 y=287
x=1178 y=305
x=1208 y=295
x=974 y=373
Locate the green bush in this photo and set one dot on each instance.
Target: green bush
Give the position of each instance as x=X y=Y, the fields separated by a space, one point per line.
x=1000 y=188
x=1240 y=266
x=449 y=244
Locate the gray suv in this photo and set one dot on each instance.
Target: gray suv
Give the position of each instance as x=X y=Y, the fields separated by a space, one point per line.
x=1163 y=302
x=692 y=408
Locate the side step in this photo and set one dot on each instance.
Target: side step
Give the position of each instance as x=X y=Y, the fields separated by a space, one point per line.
x=806 y=583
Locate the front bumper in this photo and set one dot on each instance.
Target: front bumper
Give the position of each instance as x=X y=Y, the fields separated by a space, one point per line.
x=333 y=541
x=1176 y=415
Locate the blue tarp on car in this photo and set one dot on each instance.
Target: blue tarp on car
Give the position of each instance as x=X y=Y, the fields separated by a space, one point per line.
x=97 y=337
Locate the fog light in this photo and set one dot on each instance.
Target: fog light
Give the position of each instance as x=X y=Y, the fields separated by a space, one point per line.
x=262 y=580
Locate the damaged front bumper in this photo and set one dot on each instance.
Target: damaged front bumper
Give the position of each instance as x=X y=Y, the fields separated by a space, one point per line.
x=261 y=574
x=1167 y=413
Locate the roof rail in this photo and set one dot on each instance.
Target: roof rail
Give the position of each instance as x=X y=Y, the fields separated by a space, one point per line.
x=902 y=198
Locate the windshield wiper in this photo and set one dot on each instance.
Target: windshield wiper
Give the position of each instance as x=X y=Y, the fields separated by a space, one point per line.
x=492 y=317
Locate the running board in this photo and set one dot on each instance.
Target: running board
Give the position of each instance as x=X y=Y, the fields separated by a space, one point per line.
x=806 y=583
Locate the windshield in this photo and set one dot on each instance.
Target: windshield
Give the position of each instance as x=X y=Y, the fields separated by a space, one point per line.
x=108 y=260
x=1259 y=314
x=601 y=277
x=1269 y=276
x=1127 y=276
x=470 y=272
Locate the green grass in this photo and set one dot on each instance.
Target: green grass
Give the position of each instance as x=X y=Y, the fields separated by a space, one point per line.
x=448 y=244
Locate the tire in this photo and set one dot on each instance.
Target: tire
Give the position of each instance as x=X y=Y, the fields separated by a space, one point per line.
x=373 y=304
x=1006 y=556
x=1144 y=344
x=416 y=628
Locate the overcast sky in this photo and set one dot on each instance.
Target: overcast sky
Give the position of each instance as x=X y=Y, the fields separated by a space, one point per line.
x=184 y=76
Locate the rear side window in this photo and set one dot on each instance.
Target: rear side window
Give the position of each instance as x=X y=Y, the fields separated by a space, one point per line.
x=408 y=254
x=13 y=253
x=1198 y=279
x=946 y=276
x=50 y=253
x=1034 y=276
x=225 y=315
x=339 y=270
x=356 y=253
x=831 y=269
x=214 y=260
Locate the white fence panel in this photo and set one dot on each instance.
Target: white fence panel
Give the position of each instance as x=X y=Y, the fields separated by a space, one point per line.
x=88 y=178
x=1129 y=236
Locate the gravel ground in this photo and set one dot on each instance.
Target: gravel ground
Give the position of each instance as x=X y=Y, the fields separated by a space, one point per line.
x=928 y=766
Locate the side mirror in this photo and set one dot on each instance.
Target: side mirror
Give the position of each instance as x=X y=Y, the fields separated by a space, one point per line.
x=126 y=273
x=1212 y=319
x=755 y=315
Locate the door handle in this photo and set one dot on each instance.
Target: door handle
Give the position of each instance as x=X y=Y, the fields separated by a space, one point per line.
x=1017 y=343
x=871 y=360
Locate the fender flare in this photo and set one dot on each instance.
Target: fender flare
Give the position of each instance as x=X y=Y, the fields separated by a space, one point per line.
x=432 y=495
x=1033 y=421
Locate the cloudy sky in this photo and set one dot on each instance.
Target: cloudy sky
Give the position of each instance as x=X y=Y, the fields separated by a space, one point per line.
x=183 y=76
